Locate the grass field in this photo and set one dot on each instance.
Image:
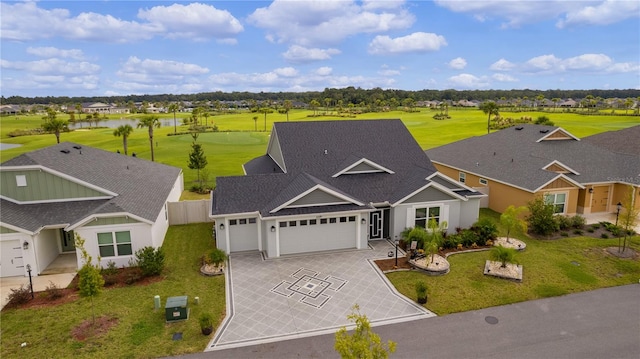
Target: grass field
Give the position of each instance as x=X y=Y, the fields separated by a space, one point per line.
x=237 y=142
x=140 y=332
x=550 y=268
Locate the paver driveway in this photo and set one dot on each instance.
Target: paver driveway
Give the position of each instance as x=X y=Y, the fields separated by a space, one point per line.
x=279 y=299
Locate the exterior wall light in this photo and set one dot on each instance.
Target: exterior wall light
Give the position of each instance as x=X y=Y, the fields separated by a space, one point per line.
x=363 y=221
x=25 y=245
x=273 y=228
x=222 y=226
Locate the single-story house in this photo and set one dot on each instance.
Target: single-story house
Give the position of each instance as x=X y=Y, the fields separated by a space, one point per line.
x=332 y=185
x=514 y=165
x=117 y=204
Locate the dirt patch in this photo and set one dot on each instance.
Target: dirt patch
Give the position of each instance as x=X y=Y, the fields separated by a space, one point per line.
x=390 y=264
x=627 y=253
x=89 y=328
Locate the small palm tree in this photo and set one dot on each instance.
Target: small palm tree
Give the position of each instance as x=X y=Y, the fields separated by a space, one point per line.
x=174 y=108
x=151 y=122
x=503 y=255
x=124 y=131
x=490 y=108
x=510 y=220
x=56 y=126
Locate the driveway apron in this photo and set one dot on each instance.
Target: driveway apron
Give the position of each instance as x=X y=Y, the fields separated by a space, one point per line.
x=277 y=299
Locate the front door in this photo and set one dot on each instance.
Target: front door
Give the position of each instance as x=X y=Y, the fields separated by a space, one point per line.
x=599 y=199
x=68 y=243
x=375 y=225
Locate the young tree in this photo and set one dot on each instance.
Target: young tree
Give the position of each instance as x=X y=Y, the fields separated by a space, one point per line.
x=124 y=131
x=151 y=122
x=90 y=281
x=55 y=126
x=435 y=237
x=510 y=219
x=255 y=123
x=197 y=159
x=628 y=216
x=287 y=105
x=265 y=111
x=363 y=343
x=503 y=255
x=489 y=108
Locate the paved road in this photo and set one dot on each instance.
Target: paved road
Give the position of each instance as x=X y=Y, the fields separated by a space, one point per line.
x=604 y=323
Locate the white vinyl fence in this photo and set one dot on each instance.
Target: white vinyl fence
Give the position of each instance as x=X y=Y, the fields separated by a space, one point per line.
x=185 y=212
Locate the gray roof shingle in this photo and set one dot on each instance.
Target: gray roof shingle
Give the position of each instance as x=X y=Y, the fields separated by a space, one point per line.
x=517 y=157
x=141 y=186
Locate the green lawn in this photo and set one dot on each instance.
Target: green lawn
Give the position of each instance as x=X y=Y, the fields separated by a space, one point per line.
x=141 y=332
x=550 y=268
x=237 y=142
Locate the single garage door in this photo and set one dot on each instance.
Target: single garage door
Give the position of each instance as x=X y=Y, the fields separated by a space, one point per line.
x=11 y=263
x=243 y=234
x=313 y=235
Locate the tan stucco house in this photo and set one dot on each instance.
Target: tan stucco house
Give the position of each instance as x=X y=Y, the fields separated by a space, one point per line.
x=514 y=165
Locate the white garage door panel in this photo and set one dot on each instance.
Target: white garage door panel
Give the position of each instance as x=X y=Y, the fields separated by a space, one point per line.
x=243 y=237
x=11 y=263
x=320 y=237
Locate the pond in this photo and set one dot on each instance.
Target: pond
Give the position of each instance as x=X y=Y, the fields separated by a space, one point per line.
x=6 y=146
x=164 y=122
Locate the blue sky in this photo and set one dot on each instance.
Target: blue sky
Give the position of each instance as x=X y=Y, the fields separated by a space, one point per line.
x=98 y=48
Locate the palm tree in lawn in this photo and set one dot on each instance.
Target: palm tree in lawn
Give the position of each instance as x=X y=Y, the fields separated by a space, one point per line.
x=503 y=255
x=255 y=123
x=79 y=109
x=55 y=126
x=627 y=104
x=314 y=104
x=511 y=220
x=489 y=108
x=555 y=101
x=150 y=122
x=124 y=131
x=174 y=108
x=287 y=105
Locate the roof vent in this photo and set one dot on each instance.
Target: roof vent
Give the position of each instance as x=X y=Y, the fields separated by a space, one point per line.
x=519 y=128
x=325 y=152
x=77 y=147
x=65 y=151
x=544 y=131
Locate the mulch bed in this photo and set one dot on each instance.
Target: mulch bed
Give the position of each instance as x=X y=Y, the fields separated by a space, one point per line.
x=124 y=277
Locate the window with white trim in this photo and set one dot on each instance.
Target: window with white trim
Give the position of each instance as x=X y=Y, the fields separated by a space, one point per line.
x=557 y=200
x=424 y=215
x=483 y=181
x=114 y=244
x=21 y=180
x=462 y=177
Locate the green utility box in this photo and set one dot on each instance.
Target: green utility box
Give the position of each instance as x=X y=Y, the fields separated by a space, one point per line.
x=176 y=309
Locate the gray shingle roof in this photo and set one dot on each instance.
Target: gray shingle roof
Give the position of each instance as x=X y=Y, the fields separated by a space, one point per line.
x=516 y=157
x=141 y=186
x=622 y=141
x=313 y=152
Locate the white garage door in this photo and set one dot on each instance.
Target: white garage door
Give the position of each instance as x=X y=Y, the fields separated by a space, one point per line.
x=11 y=263
x=243 y=235
x=313 y=235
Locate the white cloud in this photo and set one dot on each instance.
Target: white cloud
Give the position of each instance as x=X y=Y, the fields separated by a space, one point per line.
x=194 y=21
x=624 y=67
x=543 y=63
x=137 y=74
x=587 y=62
x=468 y=81
x=504 y=78
x=575 y=12
x=313 y=23
x=416 y=42
x=324 y=71
x=458 y=63
x=300 y=54
x=49 y=52
x=286 y=72
x=502 y=65
x=51 y=67
x=605 y=13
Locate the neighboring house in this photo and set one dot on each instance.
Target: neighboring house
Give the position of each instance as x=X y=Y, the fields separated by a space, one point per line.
x=99 y=107
x=330 y=185
x=118 y=204
x=516 y=164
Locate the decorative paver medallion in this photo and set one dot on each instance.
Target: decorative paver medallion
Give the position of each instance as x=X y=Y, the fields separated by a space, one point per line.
x=309 y=287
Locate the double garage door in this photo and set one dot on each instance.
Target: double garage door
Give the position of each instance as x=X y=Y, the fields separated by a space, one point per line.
x=313 y=235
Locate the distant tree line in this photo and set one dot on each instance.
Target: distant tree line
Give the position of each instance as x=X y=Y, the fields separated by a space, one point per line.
x=345 y=95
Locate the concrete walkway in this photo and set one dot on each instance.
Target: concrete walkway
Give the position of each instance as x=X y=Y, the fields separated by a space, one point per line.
x=284 y=298
x=40 y=283
x=603 y=323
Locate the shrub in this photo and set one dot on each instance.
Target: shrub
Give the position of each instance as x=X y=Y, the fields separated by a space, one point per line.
x=53 y=292
x=150 y=261
x=216 y=257
x=468 y=237
x=590 y=230
x=20 y=295
x=421 y=289
x=205 y=320
x=564 y=234
x=577 y=232
x=578 y=221
x=595 y=225
x=564 y=222
x=604 y=236
x=110 y=269
x=134 y=275
x=541 y=217
x=417 y=234
x=485 y=229
x=451 y=241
